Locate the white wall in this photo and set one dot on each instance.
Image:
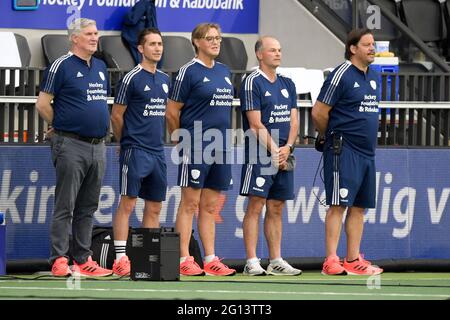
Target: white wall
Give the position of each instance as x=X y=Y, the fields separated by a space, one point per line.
x=305 y=41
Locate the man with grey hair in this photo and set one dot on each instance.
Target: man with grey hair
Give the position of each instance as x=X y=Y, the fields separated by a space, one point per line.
x=78 y=85
x=268 y=103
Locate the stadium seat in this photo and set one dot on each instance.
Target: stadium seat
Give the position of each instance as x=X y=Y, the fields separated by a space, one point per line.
x=424 y=19
x=54 y=46
x=114 y=47
x=24 y=50
x=177 y=51
x=233 y=53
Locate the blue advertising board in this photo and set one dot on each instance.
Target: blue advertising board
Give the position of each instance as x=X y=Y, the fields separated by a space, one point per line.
x=411 y=220
x=234 y=16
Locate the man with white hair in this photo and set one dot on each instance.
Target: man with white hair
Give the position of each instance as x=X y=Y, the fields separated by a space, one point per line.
x=78 y=85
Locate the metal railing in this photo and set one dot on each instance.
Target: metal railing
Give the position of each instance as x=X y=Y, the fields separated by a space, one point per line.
x=418 y=116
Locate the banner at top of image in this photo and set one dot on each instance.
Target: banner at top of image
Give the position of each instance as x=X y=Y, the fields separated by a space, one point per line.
x=234 y=16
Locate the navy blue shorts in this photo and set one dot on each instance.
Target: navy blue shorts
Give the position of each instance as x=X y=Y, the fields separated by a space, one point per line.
x=354 y=183
x=215 y=175
x=143 y=174
x=279 y=186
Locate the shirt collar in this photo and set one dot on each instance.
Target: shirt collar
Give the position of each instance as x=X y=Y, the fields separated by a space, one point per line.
x=202 y=63
x=266 y=76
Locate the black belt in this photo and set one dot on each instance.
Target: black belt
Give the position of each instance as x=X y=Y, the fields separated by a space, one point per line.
x=78 y=137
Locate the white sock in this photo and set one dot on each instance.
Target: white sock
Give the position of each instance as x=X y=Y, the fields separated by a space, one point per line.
x=210 y=258
x=253 y=260
x=182 y=259
x=120 y=246
x=276 y=260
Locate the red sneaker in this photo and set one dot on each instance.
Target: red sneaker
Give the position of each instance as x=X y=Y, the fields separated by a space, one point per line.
x=361 y=267
x=90 y=269
x=190 y=268
x=122 y=267
x=217 y=268
x=332 y=266
x=60 y=267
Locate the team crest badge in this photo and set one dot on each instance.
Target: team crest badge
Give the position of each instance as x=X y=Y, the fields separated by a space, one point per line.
x=373 y=84
x=195 y=173
x=343 y=192
x=260 y=181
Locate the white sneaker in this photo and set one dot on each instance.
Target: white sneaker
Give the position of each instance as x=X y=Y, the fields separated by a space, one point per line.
x=282 y=268
x=253 y=269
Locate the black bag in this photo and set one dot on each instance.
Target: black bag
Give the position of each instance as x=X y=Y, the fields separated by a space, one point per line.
x=194 y=250
x=102 y=246
x=319 y=143
x=104 y=253
x=290 y=162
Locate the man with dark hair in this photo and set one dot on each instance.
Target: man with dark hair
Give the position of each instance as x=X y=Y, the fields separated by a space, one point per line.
x=346 y=115
x=138 y=120
x=78 y=85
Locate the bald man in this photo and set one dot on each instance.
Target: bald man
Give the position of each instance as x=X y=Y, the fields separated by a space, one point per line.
x=268 y=102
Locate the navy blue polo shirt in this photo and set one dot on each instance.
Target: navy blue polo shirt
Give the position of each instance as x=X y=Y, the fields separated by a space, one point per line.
x=145 y=95
x=80 y=93
x=274 y=101
x=207 y=94
x=353 y=96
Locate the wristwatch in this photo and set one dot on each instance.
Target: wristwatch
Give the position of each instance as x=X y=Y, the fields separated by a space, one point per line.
x=291 y=147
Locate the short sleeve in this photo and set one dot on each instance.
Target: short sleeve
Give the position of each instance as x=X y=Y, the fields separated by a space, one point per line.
x=250 y=95
x=53 y=78
x=333 y=86
x=181 y=87
x=292 y=94
x=123 y=88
